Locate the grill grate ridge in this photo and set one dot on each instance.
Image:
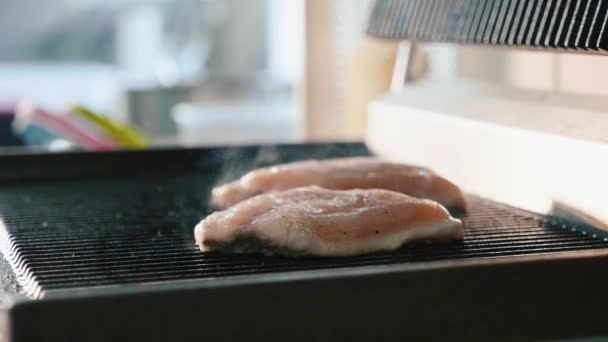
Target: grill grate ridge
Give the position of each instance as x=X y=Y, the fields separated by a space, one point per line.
x=46 y=261
x=119 y=230
x=565 y=25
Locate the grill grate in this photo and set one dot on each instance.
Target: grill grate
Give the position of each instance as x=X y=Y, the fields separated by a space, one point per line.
x=66 y=246
x=573 y=25
x=119 y=230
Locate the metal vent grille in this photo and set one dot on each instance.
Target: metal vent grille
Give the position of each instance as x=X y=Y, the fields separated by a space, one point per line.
x=77 y=234
x=578 y=25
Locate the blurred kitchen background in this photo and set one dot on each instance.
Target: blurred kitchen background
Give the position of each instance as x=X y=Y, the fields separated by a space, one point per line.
x=108 y=74
x=103 y=74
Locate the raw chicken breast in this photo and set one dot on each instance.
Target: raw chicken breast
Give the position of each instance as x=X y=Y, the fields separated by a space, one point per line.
x=321 y=222
x=342 y=174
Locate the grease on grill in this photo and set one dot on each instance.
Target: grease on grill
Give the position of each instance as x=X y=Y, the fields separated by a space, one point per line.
x=80 y=234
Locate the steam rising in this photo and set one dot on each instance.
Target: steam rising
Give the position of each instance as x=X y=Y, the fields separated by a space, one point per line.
x=237 y=161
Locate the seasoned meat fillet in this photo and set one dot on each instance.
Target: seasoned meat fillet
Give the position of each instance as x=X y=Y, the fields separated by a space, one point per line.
x=322 y=222
x=342 y=174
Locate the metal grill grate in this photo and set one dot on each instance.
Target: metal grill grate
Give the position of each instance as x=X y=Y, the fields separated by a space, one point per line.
x=574 y=25
x=77 y=234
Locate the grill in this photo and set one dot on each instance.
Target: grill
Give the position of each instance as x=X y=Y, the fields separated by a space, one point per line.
x=577 y=25
x=97 y=240
x=121 y=230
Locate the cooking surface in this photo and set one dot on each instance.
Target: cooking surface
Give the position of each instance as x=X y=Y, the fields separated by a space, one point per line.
x=115 y=230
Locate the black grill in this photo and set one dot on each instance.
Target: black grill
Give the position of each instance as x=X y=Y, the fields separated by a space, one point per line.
x=576 y=25
x=135 y=229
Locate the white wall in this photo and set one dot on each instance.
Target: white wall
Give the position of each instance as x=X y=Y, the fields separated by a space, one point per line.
x=23 y=20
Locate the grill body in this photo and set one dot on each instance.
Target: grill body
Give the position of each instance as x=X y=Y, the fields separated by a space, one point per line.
x=102 y=248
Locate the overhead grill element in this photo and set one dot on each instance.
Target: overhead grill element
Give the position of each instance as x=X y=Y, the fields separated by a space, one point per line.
x=114 y=231
x=577 y=25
